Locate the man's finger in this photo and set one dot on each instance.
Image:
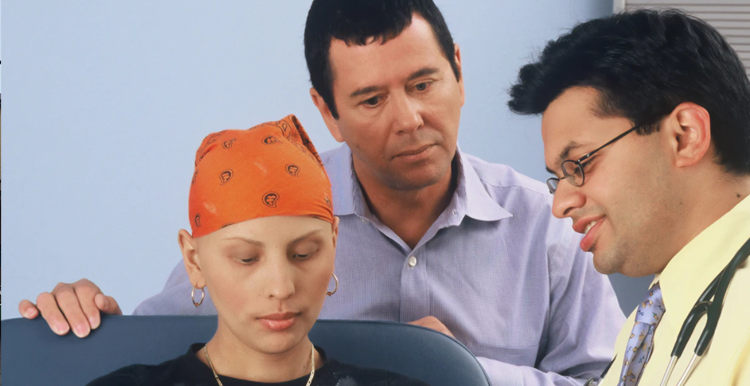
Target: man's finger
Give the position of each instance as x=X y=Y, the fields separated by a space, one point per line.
x=27 y=309
x=433 y=323
x=47 y=306
x=71 y=308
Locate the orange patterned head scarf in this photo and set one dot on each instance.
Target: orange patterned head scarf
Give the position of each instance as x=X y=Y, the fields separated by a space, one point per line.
x=268 y=170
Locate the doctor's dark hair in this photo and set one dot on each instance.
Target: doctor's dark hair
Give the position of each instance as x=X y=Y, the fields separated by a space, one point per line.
x=644 y=64
x=358 y=21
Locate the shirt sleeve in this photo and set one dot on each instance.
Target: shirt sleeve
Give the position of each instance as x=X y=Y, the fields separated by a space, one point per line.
x=583 y=323
x=174 y=299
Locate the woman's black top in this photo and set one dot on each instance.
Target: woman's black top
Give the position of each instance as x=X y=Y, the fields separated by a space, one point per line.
x=188 y=370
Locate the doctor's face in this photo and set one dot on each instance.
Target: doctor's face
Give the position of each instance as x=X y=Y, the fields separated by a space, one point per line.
x=399 y=107
x=624 y=207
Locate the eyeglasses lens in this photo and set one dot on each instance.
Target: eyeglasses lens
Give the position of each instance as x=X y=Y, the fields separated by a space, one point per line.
x=552 y=184
x=573 y=172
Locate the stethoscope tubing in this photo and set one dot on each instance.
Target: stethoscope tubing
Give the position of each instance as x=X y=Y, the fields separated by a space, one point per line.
x=704 y=305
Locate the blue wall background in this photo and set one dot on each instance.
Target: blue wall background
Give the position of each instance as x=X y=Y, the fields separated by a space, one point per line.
x=106 y=102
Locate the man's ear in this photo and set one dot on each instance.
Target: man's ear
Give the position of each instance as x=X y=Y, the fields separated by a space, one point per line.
x=689 y=134
x=325 y=112
x=457 y=58
x=188 y=246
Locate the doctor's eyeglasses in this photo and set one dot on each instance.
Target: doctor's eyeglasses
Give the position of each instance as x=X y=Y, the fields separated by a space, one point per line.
x=573 y=169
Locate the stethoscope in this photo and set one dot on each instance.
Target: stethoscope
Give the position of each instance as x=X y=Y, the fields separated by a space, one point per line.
x=705 y=305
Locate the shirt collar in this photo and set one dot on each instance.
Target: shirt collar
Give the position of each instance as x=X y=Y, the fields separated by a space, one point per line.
x=344 y=183
x=470 y=198
x=693 y=268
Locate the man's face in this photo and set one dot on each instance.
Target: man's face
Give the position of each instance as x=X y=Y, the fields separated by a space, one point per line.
x=626 y=193
x=399 y=107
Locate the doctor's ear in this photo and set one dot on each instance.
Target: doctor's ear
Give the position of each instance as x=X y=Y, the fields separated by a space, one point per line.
x=189 y=248
x=325 y=112
x=688 y=128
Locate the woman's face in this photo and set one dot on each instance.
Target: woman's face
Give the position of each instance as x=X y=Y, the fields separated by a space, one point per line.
x=267 y=277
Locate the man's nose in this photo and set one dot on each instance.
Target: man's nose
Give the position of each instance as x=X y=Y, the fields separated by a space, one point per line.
x=407 y=116
x=566 y=199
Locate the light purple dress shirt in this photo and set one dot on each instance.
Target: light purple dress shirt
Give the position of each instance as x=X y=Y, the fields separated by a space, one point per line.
x=504 y=276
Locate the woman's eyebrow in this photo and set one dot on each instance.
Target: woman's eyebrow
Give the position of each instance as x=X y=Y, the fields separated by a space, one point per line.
x=306 y=235
x=245 y=239
x=260 y=243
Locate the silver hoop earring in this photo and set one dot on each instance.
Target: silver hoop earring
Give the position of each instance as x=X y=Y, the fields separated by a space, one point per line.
x=337 y=285
x=192 y=296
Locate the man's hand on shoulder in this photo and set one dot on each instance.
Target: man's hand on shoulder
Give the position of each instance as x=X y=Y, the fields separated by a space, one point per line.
x=433 y=323
x=71 y=305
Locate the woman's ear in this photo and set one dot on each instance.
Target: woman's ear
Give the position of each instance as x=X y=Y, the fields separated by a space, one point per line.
x=335 y=229
x=188 y=246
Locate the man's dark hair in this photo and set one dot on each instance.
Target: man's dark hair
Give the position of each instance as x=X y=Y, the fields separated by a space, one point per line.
x=358 y=21
x=644 y=64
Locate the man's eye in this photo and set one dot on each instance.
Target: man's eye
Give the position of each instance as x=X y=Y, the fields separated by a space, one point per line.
x=422 y=86
x=585 y=164
x=372 y=101
x=247 y=261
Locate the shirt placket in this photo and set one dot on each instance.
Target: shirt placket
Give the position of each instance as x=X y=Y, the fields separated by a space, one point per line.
x=415 y=289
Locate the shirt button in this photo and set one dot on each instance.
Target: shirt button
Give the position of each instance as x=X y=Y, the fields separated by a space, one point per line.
x=412 y=261
x=454 y=212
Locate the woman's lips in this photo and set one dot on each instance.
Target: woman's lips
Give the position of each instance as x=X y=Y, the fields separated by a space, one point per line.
x=279 y=321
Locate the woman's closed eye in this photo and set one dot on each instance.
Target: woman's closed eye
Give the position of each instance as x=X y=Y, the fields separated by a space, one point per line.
x=248 y=260
x=303 y=256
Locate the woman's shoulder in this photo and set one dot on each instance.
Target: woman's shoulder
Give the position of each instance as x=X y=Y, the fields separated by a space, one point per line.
x=341 y=373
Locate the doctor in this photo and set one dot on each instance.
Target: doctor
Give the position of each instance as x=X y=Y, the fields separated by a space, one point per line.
x=646 y=129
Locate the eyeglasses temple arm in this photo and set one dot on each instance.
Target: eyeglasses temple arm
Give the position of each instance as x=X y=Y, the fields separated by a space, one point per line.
x=587 y=156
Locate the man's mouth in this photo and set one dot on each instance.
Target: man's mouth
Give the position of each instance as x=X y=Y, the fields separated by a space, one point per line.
x=590 y=235
x=584 y=225
x=415 y=152
x=588 y=227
